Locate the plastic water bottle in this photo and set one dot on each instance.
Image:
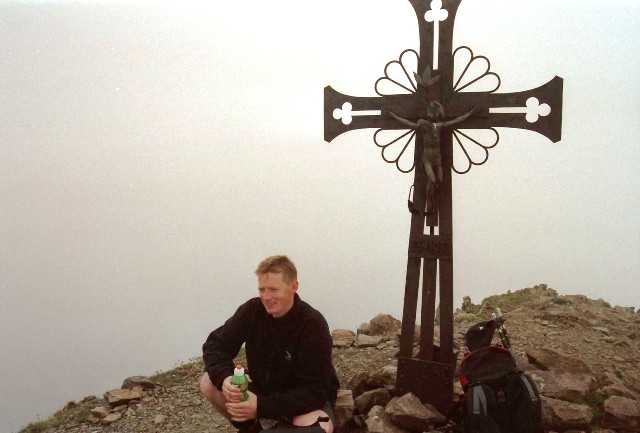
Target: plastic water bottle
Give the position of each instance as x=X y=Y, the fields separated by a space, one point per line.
x=240 y=380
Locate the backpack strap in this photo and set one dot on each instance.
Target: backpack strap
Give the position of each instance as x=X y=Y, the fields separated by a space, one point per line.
x=527 y=384
x=477 y=401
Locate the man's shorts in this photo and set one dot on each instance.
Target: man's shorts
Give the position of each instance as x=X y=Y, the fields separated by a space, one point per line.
x=327 y=408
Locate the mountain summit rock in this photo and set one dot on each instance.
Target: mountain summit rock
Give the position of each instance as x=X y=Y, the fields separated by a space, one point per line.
x=583 y=354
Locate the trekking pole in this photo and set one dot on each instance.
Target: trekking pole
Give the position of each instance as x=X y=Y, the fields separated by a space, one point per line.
x=504 y=336
x=502 y=330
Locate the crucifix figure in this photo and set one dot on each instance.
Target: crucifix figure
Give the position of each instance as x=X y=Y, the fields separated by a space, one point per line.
x=429 y=374
x=431 y=157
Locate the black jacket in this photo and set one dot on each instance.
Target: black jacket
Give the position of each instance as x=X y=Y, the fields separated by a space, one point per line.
x=289 y=359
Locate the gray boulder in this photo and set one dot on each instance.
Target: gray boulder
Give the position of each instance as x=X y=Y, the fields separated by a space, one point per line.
x=369 y=340
x=549 y=359
x=376 y=397
x=558 y=415
x=367 y=381
x=622 y=414
x=117 y=397
x=342 y=338
x=562 y=385
x=141 y=381
x=379 y=422
x=407 y=412
x=344 y=408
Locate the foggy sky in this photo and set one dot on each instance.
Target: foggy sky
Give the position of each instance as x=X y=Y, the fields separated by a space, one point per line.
x=151 y=155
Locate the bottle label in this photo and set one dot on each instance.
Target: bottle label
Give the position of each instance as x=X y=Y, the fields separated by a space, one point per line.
x=242 y=384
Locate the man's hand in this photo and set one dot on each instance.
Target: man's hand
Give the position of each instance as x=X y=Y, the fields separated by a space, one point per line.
x=244 y=411
x=239 y=411
x=231 y=392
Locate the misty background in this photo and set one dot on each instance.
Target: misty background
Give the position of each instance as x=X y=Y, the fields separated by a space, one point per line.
x=151 y=154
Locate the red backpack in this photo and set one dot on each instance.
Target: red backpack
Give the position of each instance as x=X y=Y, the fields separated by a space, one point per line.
x=498 y=396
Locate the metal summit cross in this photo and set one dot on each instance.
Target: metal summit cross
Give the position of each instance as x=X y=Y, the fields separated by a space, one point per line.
x=421 y=104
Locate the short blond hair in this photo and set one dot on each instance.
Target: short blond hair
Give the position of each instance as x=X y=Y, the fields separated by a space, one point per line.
x=278 y=265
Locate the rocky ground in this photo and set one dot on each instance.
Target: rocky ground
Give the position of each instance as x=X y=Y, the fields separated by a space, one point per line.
x=584 y=356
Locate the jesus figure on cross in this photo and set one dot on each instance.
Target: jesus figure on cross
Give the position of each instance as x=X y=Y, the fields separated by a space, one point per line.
x=431 y=158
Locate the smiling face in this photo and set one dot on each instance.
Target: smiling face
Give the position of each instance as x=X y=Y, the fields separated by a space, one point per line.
x=276 y=294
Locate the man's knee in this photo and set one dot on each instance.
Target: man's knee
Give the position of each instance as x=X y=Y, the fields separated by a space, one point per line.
x=206 y=386
x=213 y=395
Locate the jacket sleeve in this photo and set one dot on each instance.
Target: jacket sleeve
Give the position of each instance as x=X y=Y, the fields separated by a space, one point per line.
x=313 y=370
x=224 y=343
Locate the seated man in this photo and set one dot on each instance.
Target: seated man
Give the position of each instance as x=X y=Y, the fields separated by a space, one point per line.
x=288 y=348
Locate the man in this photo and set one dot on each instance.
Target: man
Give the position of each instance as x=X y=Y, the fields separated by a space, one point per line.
x=288 y=348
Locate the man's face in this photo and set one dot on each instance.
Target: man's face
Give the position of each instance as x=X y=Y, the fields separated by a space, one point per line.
x=276 y=294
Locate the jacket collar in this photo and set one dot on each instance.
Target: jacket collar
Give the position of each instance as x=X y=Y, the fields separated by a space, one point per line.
x=291 y=314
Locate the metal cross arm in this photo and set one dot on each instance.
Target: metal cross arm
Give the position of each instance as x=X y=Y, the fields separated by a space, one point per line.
x=344 y=113
x=538 y=109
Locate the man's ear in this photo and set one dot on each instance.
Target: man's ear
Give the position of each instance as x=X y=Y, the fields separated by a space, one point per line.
x=294 y=284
